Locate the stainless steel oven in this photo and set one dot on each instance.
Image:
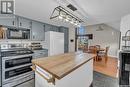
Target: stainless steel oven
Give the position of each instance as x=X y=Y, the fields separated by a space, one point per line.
x=12 y=33
x=16 y=65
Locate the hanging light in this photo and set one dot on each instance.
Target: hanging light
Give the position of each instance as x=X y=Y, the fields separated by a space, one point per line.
x=75 y=22
x=60 y=17
x=66 y=16
x=79 y=24
x=72 y=21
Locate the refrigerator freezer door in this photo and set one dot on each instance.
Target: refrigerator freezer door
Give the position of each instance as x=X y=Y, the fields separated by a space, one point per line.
x=54 y=42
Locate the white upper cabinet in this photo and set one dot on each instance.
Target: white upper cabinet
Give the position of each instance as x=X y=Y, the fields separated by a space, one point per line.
x=8 y=21
x=38 y=32
x=24 y=23
x=16 y=21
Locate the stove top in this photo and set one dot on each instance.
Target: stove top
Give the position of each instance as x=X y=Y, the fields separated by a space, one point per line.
x=15 y=52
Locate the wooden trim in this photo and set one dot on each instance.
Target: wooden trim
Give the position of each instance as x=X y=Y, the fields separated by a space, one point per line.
x=76 y=39
x=33 y=68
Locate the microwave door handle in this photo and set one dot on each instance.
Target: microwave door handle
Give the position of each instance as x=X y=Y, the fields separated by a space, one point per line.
x=4 y=34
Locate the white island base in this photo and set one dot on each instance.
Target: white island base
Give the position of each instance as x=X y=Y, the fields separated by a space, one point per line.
x=81 y=77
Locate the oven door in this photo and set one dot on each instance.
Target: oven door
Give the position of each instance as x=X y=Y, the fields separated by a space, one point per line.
x=15 y=61
x=15 y=66
x=16 y=74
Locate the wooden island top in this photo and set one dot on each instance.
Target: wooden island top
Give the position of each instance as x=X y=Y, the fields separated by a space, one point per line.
x=63 y=64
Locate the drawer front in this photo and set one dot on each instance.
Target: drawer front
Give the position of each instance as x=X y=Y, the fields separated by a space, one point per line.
x=27 y=84
x=40 y=54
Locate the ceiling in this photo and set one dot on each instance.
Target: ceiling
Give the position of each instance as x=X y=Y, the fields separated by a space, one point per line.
x=90 y=11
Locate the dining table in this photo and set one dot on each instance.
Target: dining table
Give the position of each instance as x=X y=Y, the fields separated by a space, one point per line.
x=101 y=49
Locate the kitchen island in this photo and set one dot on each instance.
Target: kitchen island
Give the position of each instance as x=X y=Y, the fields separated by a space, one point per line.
x=64 y=70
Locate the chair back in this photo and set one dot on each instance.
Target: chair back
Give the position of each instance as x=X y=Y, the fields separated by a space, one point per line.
x=92 y=49
x=107 y=48
x=97 y=46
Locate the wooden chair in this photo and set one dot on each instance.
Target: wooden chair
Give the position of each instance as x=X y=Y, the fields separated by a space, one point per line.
x=104 y=54
x=96 y=51
x=97 y=46
x=92 y=50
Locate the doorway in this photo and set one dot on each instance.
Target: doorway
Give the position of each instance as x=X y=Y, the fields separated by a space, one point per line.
x=81 y=39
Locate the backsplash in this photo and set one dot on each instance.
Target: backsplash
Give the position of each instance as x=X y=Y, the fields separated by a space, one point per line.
x=28 y=42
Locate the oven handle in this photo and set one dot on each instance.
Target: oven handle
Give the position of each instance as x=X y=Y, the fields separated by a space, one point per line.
x=15 y=67
x=16 y=57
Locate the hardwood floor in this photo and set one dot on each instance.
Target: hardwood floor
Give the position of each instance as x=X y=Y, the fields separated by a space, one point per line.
x=109 y=68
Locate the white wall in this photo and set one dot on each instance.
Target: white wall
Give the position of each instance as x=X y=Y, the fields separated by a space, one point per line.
x=72 y=36
x=125 y=25
x=107 y=37
x=27 y=42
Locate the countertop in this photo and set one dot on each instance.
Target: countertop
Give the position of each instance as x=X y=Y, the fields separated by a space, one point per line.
x=63 y=64
x=43 y=49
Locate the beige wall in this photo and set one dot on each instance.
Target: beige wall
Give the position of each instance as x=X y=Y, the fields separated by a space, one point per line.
x=107 y=37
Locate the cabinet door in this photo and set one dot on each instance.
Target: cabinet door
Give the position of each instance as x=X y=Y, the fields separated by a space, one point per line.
x=48 y=27
x=24 y=23
x=11 y=22
x=27 y=84
x=40 y=54
x=66 y=38
x=38 y=32
x=55 y=28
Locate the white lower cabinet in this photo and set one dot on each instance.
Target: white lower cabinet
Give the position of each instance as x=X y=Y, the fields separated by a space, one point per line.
x=29 y=83
x=81 y=77
x=40 y=82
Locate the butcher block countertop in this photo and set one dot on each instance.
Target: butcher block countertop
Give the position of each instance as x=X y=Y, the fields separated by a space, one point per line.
x=61 y=65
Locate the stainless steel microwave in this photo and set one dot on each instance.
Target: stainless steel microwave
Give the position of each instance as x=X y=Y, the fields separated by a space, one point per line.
x=14 y=33
x=18 y=33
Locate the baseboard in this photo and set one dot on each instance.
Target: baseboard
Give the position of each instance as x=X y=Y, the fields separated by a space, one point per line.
x=113 y=56
x=91 y=85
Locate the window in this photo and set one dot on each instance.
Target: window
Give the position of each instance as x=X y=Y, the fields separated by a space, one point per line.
x=81 y=31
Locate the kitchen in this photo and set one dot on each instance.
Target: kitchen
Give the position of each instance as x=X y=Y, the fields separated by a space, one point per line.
x=47 y=45
x=23 y=43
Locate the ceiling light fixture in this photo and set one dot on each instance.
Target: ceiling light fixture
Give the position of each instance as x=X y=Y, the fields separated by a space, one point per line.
x=63 y=14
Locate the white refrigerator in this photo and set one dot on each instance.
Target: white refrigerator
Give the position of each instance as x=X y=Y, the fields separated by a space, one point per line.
x=54 y=42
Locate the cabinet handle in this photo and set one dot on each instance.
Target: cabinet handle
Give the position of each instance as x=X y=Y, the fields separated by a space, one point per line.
x=33 y=36
x=20 y=24
x=30 y=25
x=50 y=80
x=13 y=22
